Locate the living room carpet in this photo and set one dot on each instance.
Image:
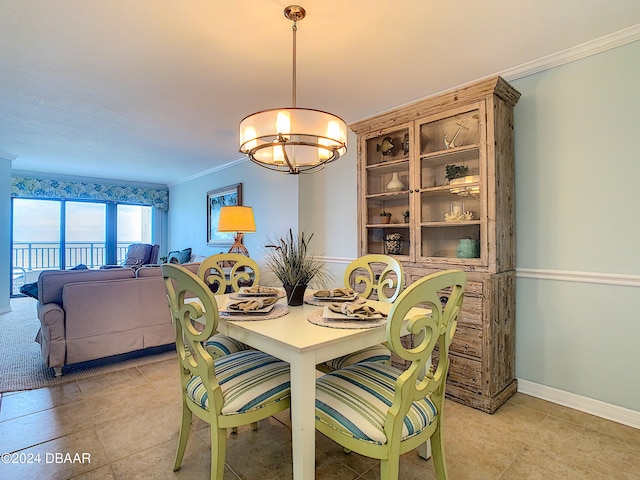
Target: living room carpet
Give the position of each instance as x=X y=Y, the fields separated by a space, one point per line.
x=21 y=363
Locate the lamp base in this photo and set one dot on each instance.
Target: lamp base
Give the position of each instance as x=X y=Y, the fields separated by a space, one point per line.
x=238 y=247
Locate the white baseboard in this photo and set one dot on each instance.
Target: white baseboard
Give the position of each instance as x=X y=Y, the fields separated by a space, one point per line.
x=578 y=402
x=5 y=310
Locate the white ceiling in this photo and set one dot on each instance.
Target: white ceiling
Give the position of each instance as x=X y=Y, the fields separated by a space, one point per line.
x=154 y=90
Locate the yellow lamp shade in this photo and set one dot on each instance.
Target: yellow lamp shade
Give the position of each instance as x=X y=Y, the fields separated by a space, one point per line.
x=236 y=219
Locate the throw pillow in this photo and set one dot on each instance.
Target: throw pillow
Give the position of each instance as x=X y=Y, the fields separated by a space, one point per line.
x=179 y=256
x=30 y=289
x=138 y=254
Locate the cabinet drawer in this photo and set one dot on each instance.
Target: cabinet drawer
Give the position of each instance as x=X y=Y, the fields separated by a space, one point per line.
x=471 y=313
x=467 y=341
x=465 y=372
x=473 y=288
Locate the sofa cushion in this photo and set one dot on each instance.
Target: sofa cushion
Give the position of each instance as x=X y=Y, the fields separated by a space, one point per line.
x=50 y=282
x=157 y=272
x=179 y=256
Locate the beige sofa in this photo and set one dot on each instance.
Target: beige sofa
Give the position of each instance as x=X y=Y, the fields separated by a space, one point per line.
x=90 y=314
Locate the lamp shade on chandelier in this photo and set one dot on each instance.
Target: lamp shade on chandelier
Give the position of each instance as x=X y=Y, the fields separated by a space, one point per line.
x=293 y=140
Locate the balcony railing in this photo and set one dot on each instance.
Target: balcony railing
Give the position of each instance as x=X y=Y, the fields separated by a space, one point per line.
x=46 y=255
x=30 y=258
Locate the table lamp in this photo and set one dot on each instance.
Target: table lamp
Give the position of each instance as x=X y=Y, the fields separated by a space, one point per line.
x=239 y=220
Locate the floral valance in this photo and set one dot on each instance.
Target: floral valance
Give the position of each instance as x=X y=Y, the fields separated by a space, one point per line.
x=41 y=188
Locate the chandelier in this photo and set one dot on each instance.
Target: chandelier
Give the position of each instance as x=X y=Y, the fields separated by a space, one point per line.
x=293 y=140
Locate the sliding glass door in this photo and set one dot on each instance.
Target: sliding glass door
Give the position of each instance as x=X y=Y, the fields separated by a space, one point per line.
x=36 y=239
x=85 y=234
x=134 y=226
x=53 y=234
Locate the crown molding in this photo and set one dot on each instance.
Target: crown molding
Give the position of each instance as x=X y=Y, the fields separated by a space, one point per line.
x=571 y=54
x=592 y=47
x=204 y=173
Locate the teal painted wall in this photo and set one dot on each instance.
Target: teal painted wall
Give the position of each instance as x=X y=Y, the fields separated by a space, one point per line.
x=577 y=210
x=274 y=198
x=5 y=232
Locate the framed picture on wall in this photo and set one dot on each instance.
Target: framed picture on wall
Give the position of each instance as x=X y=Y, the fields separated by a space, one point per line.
x=216 y=199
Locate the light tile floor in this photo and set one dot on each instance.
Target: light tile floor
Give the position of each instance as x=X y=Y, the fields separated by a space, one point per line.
x=127 y=421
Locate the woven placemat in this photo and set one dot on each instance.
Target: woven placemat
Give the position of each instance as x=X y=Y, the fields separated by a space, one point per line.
x=311 y=300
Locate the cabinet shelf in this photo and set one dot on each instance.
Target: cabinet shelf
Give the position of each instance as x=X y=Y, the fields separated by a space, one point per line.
x=386 y=195
x=388 y=166
x=451 y=224
x=448 y=188
x=387 y=225
x=456 y=154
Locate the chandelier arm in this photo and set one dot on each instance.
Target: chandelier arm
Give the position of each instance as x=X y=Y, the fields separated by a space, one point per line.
x=286 y=157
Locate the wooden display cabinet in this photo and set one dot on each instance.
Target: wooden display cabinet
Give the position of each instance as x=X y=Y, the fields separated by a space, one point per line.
x=447 y=161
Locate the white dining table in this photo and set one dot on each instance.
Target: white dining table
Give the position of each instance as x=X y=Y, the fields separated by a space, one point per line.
x=295 y=340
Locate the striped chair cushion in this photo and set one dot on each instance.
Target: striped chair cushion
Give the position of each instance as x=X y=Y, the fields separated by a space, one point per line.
x=355 y=401
x=249 y=380
x=377 y=353
x=220 y=345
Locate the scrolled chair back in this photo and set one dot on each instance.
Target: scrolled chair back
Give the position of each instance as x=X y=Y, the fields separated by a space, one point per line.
x=437 y=328
x=382 y=412
x=243 y=271
x=194 y=323
x=387 y=285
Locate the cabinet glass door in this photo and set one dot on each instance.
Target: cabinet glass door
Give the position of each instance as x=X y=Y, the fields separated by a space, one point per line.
x=386 y=196
x=452 y=186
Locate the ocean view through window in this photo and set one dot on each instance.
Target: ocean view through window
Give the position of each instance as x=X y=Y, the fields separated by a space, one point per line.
x=48 y=234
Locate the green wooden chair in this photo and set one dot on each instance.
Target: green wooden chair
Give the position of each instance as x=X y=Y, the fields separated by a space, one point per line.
x=382 y=412
x=228 y=272
x=238 y=389
x=385 y=287
x=224 y=273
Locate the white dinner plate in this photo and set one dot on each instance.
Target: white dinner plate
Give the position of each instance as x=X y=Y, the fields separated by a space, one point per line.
x=262 y=310
x=331 y=315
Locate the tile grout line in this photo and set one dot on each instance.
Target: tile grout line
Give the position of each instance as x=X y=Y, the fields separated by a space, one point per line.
x=526 y=444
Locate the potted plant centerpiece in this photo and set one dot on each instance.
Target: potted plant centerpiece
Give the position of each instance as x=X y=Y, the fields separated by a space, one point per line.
x=294 y=265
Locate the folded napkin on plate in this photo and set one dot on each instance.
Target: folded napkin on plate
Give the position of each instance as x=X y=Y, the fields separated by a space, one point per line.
x=253 y=304
x=355 y=310
x=260 y=289
x=335 y=293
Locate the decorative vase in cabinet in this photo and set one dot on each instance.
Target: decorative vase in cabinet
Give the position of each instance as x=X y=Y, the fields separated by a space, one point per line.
x=395 y=185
